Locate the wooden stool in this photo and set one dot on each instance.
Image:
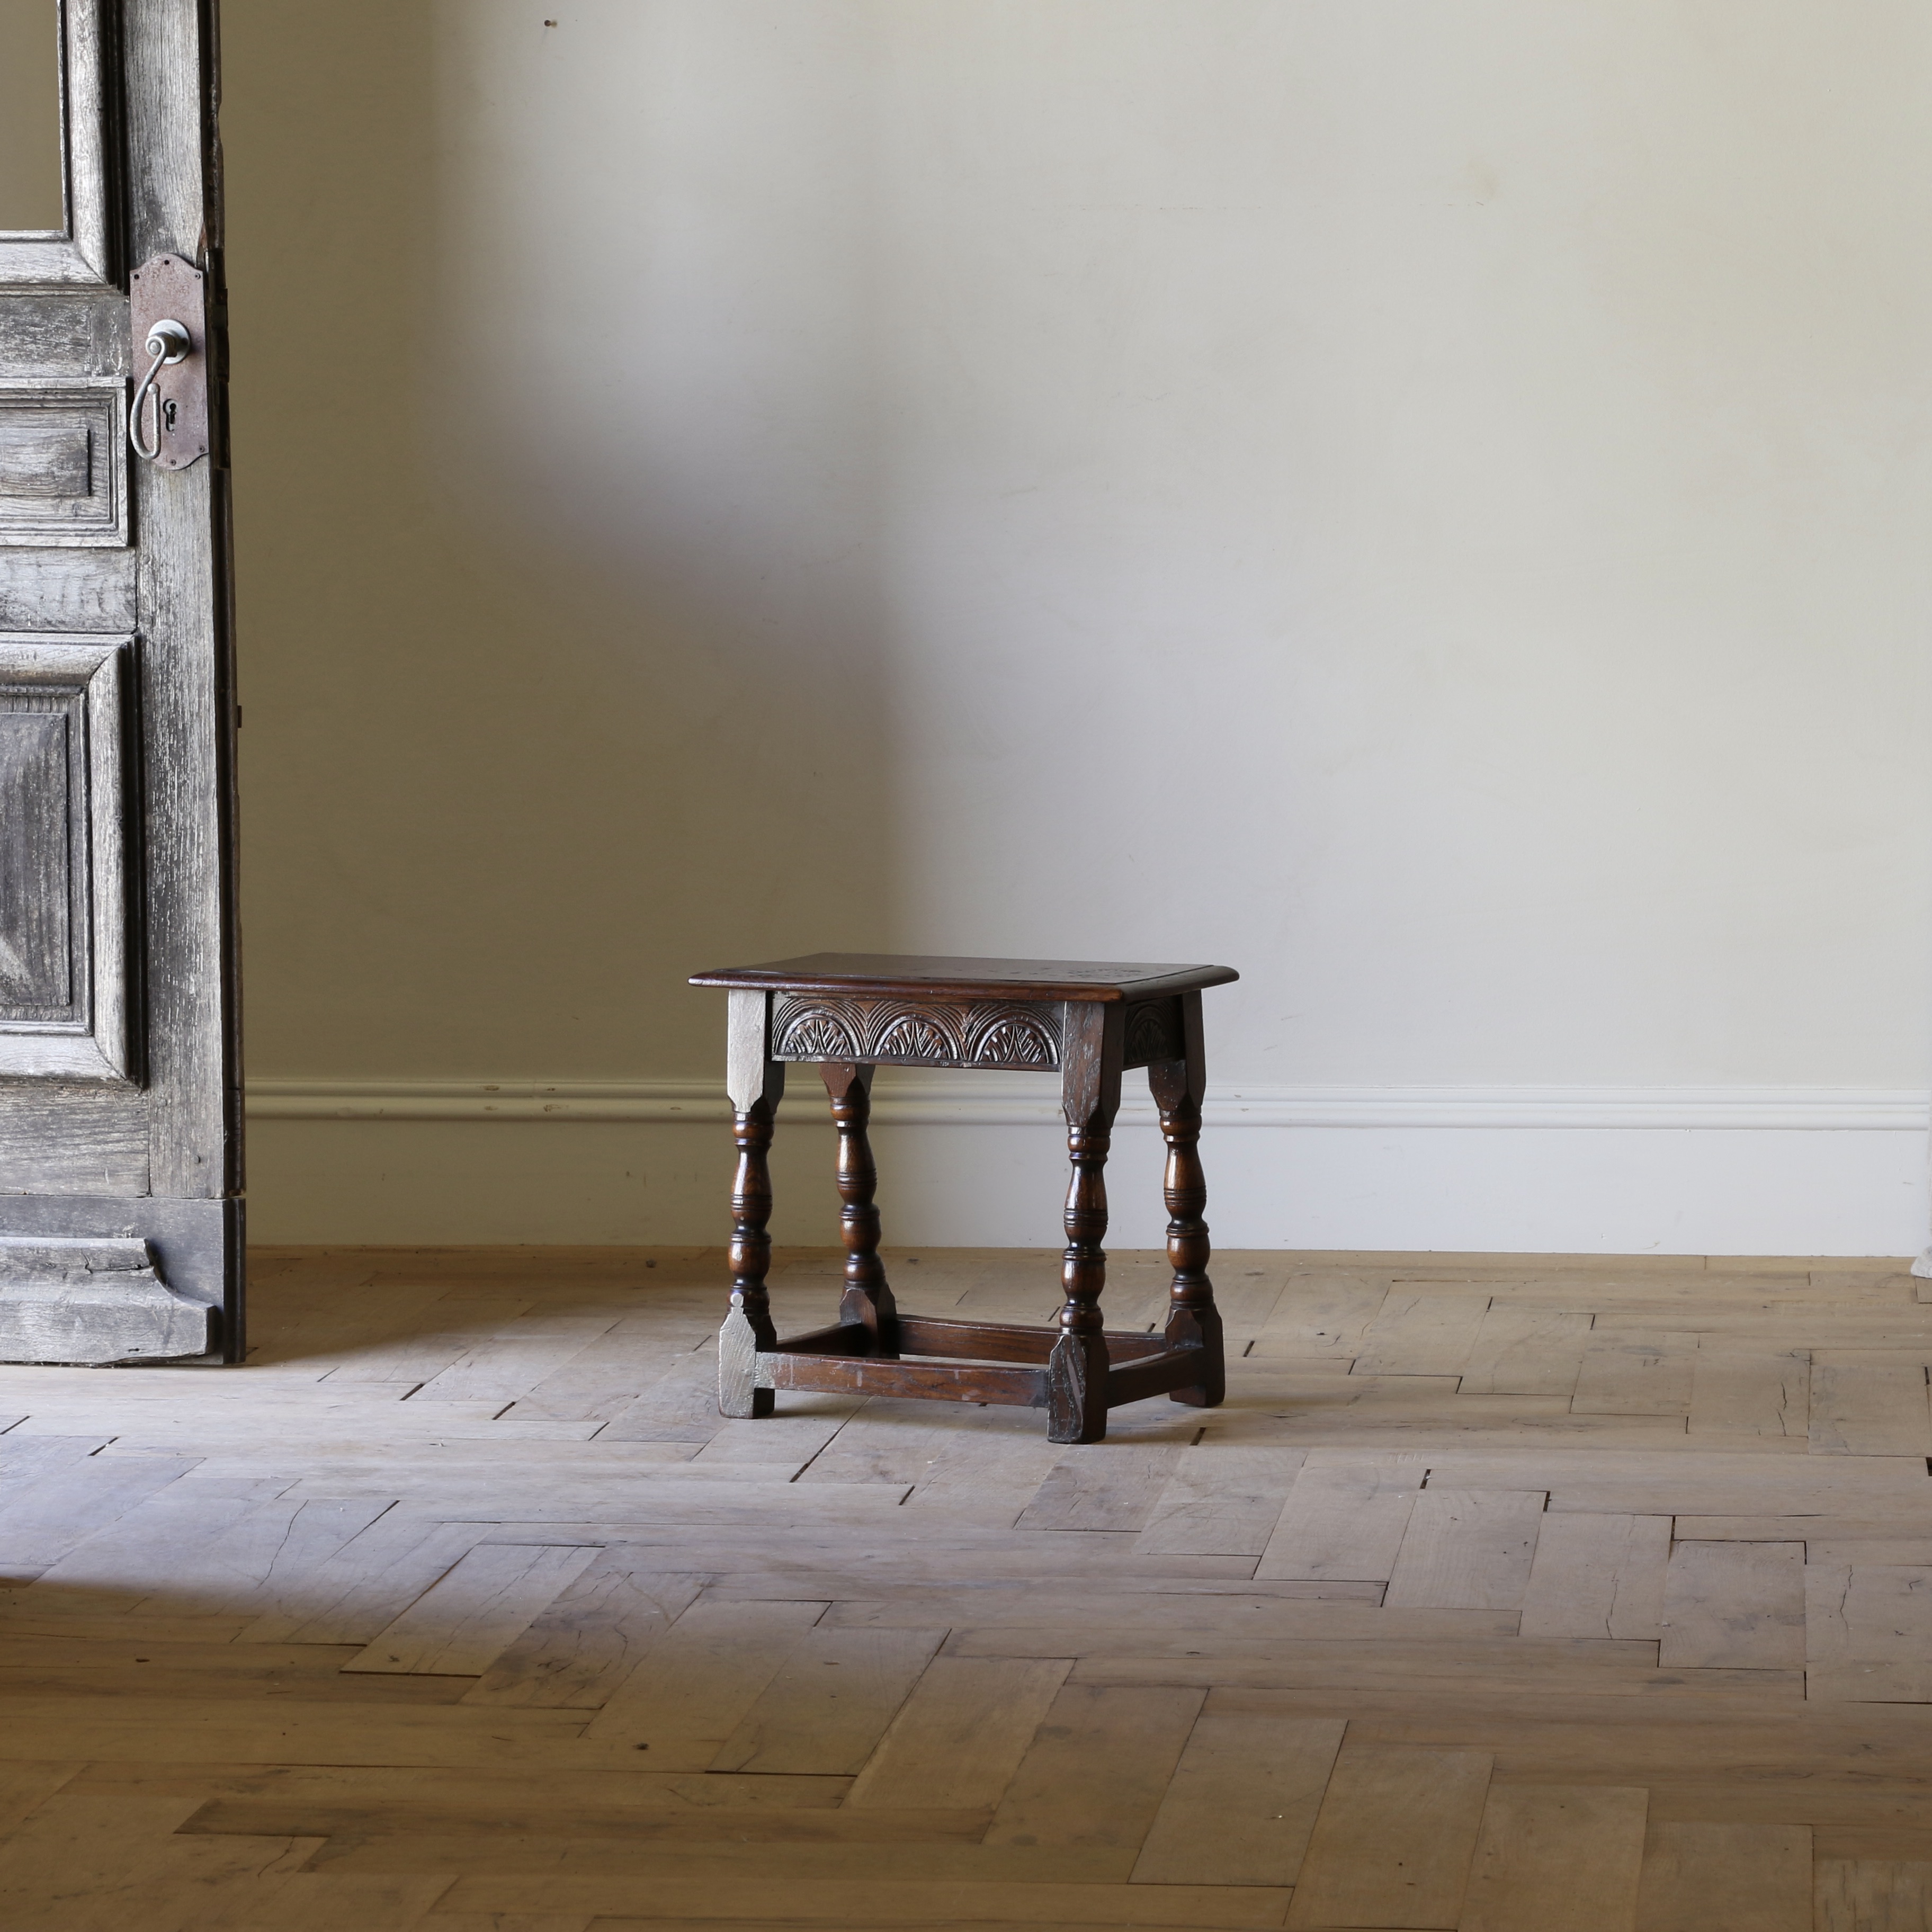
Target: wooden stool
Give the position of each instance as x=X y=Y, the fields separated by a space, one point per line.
x=848 y=1012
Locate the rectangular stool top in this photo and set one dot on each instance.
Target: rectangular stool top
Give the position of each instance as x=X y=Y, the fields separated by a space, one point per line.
x=921 y=975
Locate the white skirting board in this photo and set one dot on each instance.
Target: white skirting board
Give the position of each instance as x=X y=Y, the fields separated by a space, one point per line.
x=978 y=1160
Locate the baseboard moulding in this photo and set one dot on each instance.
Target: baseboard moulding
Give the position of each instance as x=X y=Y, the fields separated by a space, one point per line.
x=968 y=1160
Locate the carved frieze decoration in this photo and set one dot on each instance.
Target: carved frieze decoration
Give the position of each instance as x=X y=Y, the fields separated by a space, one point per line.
x=917 y=1033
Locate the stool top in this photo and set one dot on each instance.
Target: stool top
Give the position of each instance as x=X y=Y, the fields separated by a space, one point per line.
x=921 y=975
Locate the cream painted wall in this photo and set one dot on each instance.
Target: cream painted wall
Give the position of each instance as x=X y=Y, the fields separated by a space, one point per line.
x=1426 y=504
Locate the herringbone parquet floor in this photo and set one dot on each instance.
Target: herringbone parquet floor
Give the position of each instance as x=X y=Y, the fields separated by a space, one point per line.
x=1503 y=1595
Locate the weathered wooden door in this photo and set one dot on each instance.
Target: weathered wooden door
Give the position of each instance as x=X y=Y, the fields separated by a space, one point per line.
x=120 y=1071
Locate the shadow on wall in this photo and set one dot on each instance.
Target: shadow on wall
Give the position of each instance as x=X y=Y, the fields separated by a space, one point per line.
x=1294 y=485
x=551 y=696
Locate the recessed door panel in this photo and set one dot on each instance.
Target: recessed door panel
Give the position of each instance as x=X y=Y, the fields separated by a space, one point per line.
x=65 y=944
x=37 y=877
x=64 y=463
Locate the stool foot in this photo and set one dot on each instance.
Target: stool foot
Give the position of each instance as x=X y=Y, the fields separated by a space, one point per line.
x=1076 y=1388
x=1196 y=1325
x=738 y=1392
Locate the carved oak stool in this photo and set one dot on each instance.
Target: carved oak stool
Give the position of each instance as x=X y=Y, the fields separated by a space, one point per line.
x=849 y=1013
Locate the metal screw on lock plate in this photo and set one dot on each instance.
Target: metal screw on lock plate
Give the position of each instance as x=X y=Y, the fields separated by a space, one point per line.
x=168 y=343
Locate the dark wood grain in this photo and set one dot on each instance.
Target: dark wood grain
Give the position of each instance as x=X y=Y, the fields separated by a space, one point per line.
x=915 y=974
x=931 y=1031
x=1192 y=1321
x=1174 y=1372
x=1090 y=1096
x=756 y=1083
x=1004 y=1341
x=868 y=1300
x=842 y=1338
x=848 y=1011
x=1155 y=1030
x=936 y=1341
x=950 y=1381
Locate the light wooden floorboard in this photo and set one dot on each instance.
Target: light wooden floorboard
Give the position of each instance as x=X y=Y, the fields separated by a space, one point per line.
x=1421 y=1332
x=1597 y=1576
x=1726 y=1878
x=1635 y=1374
x=1345 y=1520
x=1098 y=1768
x=465 y=1620
x=1466 y=1549
x=1872 y=1895
x=1114 y=1485
x=589 y=1638
x=1868 y=1632
x=1393 y=1842
x=1220 y=1500
x=1504 y=1593
x=1755 y=1393
x=1243 y=1800
x=957 y=1740
x=1870 y=1409
x=1735 y=1604
x=1526 y=1351
x=1557 y=1858
x=830 y=1704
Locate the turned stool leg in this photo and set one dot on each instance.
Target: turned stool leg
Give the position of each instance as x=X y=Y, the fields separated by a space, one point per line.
x=756 y=1082
x=868 y=1300
x=1192 y=1320
x=1076 y=1371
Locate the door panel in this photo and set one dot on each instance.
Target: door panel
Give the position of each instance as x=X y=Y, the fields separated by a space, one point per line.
x=82 y=1141
x=64 y=463
x=120 y=1155
x=38 y=878
x=65 y=924
x=53 y=590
